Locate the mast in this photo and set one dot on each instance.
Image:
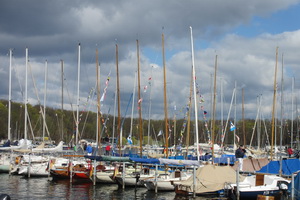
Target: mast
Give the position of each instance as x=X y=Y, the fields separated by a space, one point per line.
x=78 y=99
x=98 y=136
x=195 y=95
x=234 y=131
x=189 y=115
x=45 y=97
x=26 y=98
x=214 y=109
x=139 y=97
x=118 y=98
x=165 y=97
x=222 y=111
x=9 y=97
x=243 y=116
x=274 y=106
x=292 y=125
x=62 y=100
x=281 y=118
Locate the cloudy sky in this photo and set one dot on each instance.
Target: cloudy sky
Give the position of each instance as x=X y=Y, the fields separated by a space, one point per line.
x=243 y=34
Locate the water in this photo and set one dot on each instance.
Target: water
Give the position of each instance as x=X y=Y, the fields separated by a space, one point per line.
x=19 y=187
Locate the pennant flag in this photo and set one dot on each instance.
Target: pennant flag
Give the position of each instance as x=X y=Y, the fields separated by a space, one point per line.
x=237 y=138
x=140 y=100
x=159 y=133
x=145 y=88
x=232 y=126
x=129 y=140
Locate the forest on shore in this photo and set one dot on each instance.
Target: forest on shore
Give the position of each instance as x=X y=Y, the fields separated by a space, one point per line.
x=61 y=126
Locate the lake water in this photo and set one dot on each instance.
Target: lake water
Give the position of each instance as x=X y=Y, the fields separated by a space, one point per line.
x=19 y=187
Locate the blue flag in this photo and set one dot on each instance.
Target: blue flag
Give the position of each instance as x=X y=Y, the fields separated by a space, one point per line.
x=232 y=126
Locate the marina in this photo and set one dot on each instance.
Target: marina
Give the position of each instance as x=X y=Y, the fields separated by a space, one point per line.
x=135 y=108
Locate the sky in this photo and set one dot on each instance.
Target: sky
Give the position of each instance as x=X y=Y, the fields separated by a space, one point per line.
x=242 y=35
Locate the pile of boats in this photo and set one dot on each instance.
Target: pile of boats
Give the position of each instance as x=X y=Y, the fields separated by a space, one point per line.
x=185 y=177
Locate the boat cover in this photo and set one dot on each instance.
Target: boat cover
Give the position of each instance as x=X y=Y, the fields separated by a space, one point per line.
x=289 y=166
x=145 y=160
x=179 y=162
x=210 y=178
x=252 y=164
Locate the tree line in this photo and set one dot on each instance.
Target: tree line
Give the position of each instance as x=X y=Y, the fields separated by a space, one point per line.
x=61 y=126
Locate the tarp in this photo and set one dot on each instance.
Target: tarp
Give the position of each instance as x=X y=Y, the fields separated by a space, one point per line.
x=179 y=162
x=252 y=164
x=289 y=166
x=224 y=159
x=109 y=158
x=145 y=160
x=210 y=178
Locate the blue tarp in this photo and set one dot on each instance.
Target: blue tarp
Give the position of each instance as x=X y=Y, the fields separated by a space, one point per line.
x=224 y=159
x=296 y=186
x=145 y=160
x=289 y=166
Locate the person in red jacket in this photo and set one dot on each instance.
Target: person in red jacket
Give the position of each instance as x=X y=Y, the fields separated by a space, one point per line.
x=290 y=151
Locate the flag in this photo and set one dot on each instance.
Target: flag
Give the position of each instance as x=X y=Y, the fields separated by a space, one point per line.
x=129 y=140
x=159 y=133
x=238 y=138
x=232 y=127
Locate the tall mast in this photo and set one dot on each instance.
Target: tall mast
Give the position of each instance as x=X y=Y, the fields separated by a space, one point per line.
x=62 y=100
x=98 y=136
x=222 y=111
x=165 y=97
x=274 y=106
x=234 y=113
x=292 y=125
x=78 y=80
x=45 y=97
x=118 y=98
x=189 y=115
x=26 y=98
x=9 y=97
x=195 y=95
x=139 y=97
x=281 y=118
x=214 y=109
x=243 y=117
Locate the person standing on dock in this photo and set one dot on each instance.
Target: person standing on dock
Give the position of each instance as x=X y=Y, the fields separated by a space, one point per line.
x=239 y=154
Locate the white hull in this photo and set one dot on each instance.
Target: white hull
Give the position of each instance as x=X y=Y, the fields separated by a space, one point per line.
x=104 y=177
x=40 y=169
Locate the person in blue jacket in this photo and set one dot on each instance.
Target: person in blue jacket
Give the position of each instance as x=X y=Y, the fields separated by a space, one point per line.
x=89 y=150
x=239 y=154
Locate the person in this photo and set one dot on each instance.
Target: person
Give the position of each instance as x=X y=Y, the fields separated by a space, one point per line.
x=89 y=150
x=290 y=152
x=239 y=154
x=107 y=149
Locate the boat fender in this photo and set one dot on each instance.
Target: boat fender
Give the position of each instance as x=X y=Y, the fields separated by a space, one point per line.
x=4 y=197
x=17 y=161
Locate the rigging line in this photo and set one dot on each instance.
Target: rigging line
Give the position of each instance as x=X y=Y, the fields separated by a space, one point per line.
x=37 y=95
x=69 y=96
x=86 y=117
x=18 y=78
